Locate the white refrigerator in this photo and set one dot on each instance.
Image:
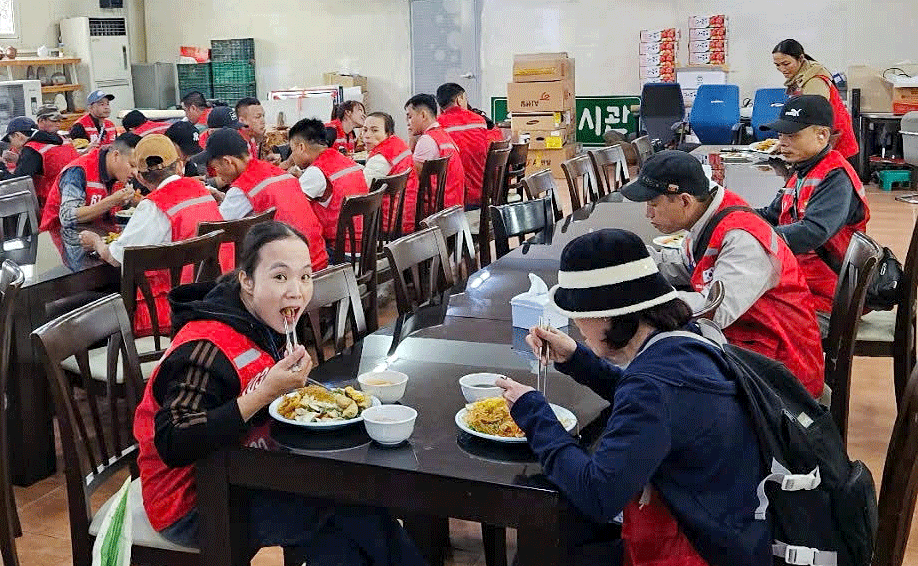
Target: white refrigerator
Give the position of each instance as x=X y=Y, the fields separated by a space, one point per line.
x=105 y=58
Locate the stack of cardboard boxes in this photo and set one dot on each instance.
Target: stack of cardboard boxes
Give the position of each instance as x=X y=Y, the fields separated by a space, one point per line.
x=348 y=81
x=708 y=40
x=659 y=55
x=541 y=104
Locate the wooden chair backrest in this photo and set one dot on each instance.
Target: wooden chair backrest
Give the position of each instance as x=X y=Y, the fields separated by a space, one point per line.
x=335 y=289
x=423 y=256
x=495 y=173
x=454 y=226
x=431 y=195
x=393 y=187
x=520 y=219
x=18 y=207
x=538 y=184
x=11 y=280
x=234 y=231
x=610 y=168
x=904 y=353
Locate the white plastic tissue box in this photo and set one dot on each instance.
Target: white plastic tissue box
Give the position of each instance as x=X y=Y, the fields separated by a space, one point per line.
x=526 y=308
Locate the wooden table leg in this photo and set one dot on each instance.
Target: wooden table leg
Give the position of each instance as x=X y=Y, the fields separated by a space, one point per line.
x=539 y=546
x=431 y=535
x=223 y=532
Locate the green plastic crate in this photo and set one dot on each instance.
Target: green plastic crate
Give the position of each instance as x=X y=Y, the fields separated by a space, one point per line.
x=231 y=94
x=206 y=90
x=226 y=50
x=236 y=72
x=194 y=73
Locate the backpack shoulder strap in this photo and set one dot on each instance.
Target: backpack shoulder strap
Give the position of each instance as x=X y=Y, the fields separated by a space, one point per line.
x=701 y=244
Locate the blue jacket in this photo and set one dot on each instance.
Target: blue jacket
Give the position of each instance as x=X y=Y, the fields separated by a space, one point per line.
x=676 y=423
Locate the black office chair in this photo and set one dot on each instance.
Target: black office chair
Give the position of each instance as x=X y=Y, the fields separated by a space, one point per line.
x=662 y=111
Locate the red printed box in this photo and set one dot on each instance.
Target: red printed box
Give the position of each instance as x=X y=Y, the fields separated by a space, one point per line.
x=717 y=21
x=707 y=33
x=668 y=34
x=656 y=71
x=664 y=59
x=707 y=45
x=708 y=58
x=658 y=47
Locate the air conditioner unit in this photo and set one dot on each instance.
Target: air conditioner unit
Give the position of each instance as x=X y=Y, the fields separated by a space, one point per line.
x=103 y=47
x=18 y=98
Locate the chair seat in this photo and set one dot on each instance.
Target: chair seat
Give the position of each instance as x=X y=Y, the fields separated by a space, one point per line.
x=142 y=531
x=98 y=360
x=877 y=326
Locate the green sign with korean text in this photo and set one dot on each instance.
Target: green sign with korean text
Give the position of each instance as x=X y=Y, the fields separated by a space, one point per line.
x=595 y=116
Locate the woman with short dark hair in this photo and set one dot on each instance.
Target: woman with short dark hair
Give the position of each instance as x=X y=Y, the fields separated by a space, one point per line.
x=678 y=456
x=389 y=155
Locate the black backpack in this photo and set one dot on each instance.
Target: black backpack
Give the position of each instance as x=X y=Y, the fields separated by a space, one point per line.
x=822 y=506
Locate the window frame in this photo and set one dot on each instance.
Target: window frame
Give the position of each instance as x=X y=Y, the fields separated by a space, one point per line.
x=17 y=28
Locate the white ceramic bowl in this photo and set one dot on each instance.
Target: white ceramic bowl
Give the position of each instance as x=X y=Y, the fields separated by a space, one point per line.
x=387 y=386
x=477 y=386
x=389 y=424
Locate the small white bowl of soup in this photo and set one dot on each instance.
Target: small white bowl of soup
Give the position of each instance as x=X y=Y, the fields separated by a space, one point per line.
x=389 y=425
x=477 y=386
x=388 y=386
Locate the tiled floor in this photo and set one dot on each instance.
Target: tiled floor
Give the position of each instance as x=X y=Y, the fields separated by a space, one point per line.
x=43 y=506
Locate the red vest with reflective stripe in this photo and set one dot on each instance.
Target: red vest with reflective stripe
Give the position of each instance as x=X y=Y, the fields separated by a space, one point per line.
x=266 y=185
x=344 y=177
x=202 y=139
x=186 y=203
x=170 y=493
x=652 y=536
x=495 y=134
x=250 y=140
x=820 y=276
x=151 y=127
x=455 y=174
x=342 y=139
x=470 y=132
x=95 y=190
x=93 y=132
x=782 y=324
x=202 y=120
x=847 y=143
x=53 y=159
x=396 y=152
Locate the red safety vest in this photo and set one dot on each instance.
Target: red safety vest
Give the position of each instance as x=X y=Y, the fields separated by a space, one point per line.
x=495 y=134
x=342 y=139
x=782 y=324
x=267 y=185
x=343 y=177
x=202 y=139
x=847 y=143
x=250 y=140
x=170 y=493
x=652 y=536
x=95 y=189
x=455 y=173
x=186 y=203
x=470 y=132
x=53 y=159
x=93 y=132
x=819 y=276
x=396 y=152
x=151 y=127
x=202 y=120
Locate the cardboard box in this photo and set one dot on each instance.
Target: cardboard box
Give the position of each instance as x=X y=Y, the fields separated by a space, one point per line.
x=539 y=67
x=716 y=21
x=688 y=96
x=708 y=58
x=876 y=92
x=707 y=45
x=539 y=159
x=667 y=34
x=693 y=77
x=345 y=80
x=648 y=48
x=900 y=108
x=540 y=97
x=657 y=59
x=545 y=139
x=707 y=33
x=521 y=122
x=643 y=81
x=656 y=71
x=905 y=94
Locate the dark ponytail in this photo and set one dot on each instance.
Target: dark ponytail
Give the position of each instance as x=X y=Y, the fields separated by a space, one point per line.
x=255 y=239
x=791 y=48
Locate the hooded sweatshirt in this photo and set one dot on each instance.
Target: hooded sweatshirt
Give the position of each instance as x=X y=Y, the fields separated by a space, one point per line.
x=197 y=386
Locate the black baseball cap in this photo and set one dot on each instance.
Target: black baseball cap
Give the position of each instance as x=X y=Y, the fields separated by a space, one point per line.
x=223 y=117
x=668 y=172
x=185 y=135
x=133 y=119
x=20 y=124
x=800 y=112
x=223 y=142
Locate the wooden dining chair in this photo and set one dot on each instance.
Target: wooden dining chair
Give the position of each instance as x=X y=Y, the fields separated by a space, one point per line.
x=335 y=289
x=393 y=205
x=516 y=170
x=581 y=181
x=420 y=269
x=11 y=280
x=714 y=299
x=858 y=268
x=891 y=334
x=454 y=226
x=495 y=173
x=97 y=449
x=234 y=231
x=644 y=150
x=363 y=211
x=520 y=220
x=431 y=189
x=899 y=487
x=610 y=168
x=499 y=144
x=17 y=212
x=540 y=183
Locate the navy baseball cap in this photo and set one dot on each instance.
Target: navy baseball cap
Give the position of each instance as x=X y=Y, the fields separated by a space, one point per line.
x=185 y=135
x=97 y=95
x=223 y=142
x=800 y=112
x=20 y=124
x=668 y=172
x=223 y=117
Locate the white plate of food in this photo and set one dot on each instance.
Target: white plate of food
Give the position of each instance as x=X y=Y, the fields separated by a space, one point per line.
x=768 y=145
x=493 y=416
x=316 y=408
x=670 y=240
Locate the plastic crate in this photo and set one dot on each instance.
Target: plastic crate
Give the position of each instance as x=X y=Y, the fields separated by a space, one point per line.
x=226 y=50
x=233 y=73
x=206 y=90
x=194 y=73
x=231 y=94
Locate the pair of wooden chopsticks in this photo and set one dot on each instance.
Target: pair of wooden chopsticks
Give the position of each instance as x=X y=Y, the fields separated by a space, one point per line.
x=542 y=377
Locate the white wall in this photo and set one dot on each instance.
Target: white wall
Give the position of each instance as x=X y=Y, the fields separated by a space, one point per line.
x=298 y=41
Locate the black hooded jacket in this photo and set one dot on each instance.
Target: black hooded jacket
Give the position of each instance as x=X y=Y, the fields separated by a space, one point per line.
x=197 y=385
